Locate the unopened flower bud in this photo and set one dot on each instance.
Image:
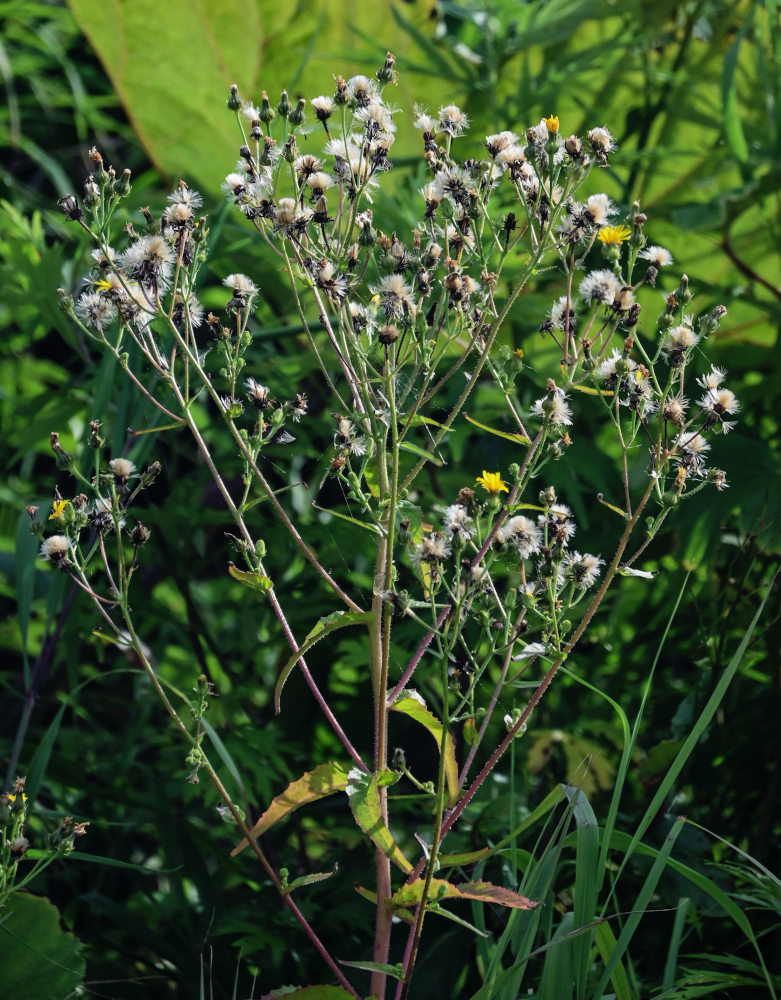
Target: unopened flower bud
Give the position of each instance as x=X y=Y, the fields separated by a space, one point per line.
x=123 y=186
x=267 y=113
x=234 y=101
x=387 y=73
x=140 y=534
x=297 y=116
x=547 y=497
x=70 y=208
x=64 y=460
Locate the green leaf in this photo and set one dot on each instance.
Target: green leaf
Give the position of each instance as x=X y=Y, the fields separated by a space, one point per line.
x=178 y=108
x=733 y=127
x=606 y=943
x=346 y=517
x=310 y=879
x=255 y=581
x=413 y=449
x=484 y=892
x=397 y=971
x=332 y=622
x=38 y=959
x=324 y=780
x=551 y=800
x=515 y=437
x=43 y=752
x=414 y=709
x=640 y=905
x=364 y=795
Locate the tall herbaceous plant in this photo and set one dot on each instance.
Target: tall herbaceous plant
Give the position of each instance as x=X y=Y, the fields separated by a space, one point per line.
x=403 y=328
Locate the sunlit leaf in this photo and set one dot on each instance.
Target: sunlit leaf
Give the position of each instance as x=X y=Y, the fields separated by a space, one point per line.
x=515 y=437
x=324 y=780
x=484 y=892
x=255 y=581
x=363 y=792
x=413 y=709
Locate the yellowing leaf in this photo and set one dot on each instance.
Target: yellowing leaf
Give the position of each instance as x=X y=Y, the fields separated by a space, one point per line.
x=484 y=892
x=413 y=709
x=255 y=581
x=324 y=780
x=515 y=437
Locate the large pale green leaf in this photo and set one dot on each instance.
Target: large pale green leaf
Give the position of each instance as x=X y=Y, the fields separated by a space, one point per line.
x=173 y=63
x=37 y=958
x=364 y=794
x=416 y=710
x=313 y=785
x=484 y=892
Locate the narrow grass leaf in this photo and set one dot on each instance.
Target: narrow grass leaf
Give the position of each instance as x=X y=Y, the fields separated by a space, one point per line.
x=671 y=962
x=586 y=882
x=640 y=906
x=42 y=755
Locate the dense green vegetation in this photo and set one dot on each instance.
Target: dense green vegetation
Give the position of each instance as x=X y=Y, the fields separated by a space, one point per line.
x=691 y=92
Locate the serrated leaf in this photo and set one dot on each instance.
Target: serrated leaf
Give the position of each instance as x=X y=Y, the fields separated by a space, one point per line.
x=484 y=892
x=324 y=780
x=255 y=581
x=310 y=879
x=332 y=622
x=413 y=709
x=364 y=795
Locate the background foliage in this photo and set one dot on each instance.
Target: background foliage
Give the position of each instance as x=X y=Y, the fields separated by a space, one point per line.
x=691 y=91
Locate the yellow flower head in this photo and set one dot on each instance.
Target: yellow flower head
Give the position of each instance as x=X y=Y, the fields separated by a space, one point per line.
x=613 y=235
x=492 y=482
x=552 y=123
x=57 y=509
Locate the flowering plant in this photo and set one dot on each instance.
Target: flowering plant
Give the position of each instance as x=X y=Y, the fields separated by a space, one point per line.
x=484 y=589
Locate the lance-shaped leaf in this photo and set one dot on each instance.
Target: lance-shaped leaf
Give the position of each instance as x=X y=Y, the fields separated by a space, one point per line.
x=513 y=436
x=255 y=581
x=332 y=622
x=324 y=780
x=417 y=710
x=397 y=971
x=484 y=892
x=364 y=794
x=309 y=879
